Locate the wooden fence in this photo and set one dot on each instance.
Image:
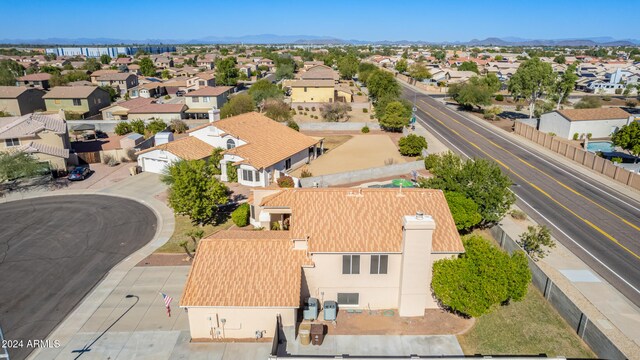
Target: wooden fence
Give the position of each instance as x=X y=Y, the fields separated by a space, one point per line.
x=579 y=155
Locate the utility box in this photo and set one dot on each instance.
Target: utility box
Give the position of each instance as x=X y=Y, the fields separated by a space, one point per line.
x=317 y=334
x=330 y=310
x=304 y=334
x=310 y=311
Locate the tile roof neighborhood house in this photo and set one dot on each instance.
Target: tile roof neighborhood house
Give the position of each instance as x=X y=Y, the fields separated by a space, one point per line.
x=165 y=112
x=121 y=82
x=96 y=74
x=206 y=98
x=20 y=100
x=157 y=158
x=201 y=80
x=261 y=149
x=44 y=136
x=314 y=91
x=599 y=123
x=365 y=249
x=120 y=110
x=82 y=100
x=38 y=80
x=319 y=72
x=147 y=90
x=162 y=62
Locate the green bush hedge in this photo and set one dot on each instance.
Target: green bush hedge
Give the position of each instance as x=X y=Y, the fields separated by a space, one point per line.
x=240 y=216
x=499 y=97
x=412 y=145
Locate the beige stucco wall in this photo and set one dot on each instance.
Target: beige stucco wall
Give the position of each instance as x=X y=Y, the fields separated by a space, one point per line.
x=92 y=104
x=378 y=291
x=162 y=116
x=241 y=322
x=44 y=137
x=10 y=106
x=313 y=94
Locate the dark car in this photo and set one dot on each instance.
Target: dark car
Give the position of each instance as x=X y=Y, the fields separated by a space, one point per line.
x=180 y=93
x=79 y=173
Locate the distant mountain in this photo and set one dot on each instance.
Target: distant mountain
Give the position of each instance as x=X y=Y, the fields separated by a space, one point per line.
x=325 y=40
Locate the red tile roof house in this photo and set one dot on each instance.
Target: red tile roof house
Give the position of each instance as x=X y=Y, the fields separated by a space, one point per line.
x=165 y=112
x=39 y=80
x=366 y=249
x=261 y=149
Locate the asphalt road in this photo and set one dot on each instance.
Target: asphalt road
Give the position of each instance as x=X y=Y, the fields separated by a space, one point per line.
x=54 y=250
x=597 y=223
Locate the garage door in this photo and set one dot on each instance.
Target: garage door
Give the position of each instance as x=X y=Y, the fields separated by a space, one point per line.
x=154 y=165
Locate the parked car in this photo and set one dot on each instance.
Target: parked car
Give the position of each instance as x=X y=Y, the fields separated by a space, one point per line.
x=180 y=93
x=79 y=173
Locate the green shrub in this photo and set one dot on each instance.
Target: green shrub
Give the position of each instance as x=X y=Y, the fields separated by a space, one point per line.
x=365 y=129
x=299 y=107
x=137 y=126
x=481 y=278
x=179 y=126
x=606 y=98
x=240 y=216
x=589 y=136
x=431 y=160
x=359 y=93
x=499 y=97
x=519 y=107
x=551 y=133
x=518 y=215
x=365 y=110
x=285 y=182
x=412 y=145
x=305 y=173
x=155 y=126
x=618 y=91
x=122 y=128
x=167 y=97
x=294 y=125
x=313 y=108
x=616 y=159
x=631 y=103
x=232 y=173
x=576 y=136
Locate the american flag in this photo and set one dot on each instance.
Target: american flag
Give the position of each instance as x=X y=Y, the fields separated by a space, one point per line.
x=167 y=300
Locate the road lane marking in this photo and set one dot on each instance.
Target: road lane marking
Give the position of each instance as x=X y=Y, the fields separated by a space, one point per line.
x=592 y=225
x=636 y=227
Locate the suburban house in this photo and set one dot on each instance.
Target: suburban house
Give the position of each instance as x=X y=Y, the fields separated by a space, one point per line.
x=44 y=136
x=201 y=80
x=20 y=100
x=147 y=90
x=98 y=73
x=318 y=85
x=162 y=62
x=38 y=80
x=157 y=158
x=260 y=149
x=599 y=123
x=320 y=72
x=165 y=112
x=82 y=100
x=364 y=248
x=121 y=82
x=202 y=100
x=120 y=111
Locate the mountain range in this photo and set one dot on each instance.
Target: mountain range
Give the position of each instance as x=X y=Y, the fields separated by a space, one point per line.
x=324 y=40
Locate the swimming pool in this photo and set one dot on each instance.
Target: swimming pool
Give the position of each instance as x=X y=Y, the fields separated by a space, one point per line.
x=603 y=146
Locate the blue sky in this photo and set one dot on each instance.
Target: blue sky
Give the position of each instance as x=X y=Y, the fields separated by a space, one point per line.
x=427 y=20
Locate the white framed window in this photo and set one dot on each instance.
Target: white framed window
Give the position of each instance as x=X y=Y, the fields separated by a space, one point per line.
x=231 y=144
x=206 y=99
x=348 y=299
x=379 y=264
x=12 y=142
x=247 y=175
x=350 y=264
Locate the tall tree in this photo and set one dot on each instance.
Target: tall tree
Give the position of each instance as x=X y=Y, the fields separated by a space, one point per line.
x=16 y=165
x=381 y=83
x=264 y=89
x=628 y=138
x=419 y=71
x=147 y=68
x=92 y=65
x=469 y=66
x=238 y=104
x=565 y=84
x=401 y=66
x=395 y=117
x=365 y=70
x=105 y=59
x=9 y=71
x=226 y=71
x=194 y=191
x=348 y=66
x=532 y=80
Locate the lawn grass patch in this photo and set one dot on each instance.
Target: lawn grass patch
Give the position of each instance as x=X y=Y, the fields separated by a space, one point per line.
x=183 y=225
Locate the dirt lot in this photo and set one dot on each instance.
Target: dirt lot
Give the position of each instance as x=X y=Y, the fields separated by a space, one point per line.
x=355 y=115
x=359 y=152
x=387 y=322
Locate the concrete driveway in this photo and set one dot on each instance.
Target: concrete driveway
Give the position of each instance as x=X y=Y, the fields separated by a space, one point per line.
x=53 y=250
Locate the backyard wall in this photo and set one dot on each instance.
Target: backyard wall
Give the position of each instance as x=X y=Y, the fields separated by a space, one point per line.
x=576 y=154
x=338 y=126
x=362 y=175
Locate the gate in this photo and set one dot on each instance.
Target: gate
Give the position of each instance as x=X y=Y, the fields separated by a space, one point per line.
x=89 y=157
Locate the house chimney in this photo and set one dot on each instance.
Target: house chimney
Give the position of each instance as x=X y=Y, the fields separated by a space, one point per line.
x=214 y=115
x=416 y=265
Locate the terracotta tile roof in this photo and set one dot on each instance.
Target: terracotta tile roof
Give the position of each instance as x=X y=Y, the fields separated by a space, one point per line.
x=158 y=109
x=103 y=72
x=115 y=77
x=36 y=147
x=35 y=77
x=268 y=141
x=594 y=114
x=71 y=92
x=133 y=103
x=254 y=271
x=187 y=148
x=209 y=91
x=319 y=72
x=31 y=124
x=366 y=220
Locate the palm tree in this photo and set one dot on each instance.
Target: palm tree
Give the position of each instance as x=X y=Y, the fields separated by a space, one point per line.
x=195 y=235
x=185 y=246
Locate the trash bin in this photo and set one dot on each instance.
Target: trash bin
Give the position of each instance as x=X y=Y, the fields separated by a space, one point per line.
x=310 y=311
x=317 y=334
x=304 y=334
x=330 y=310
